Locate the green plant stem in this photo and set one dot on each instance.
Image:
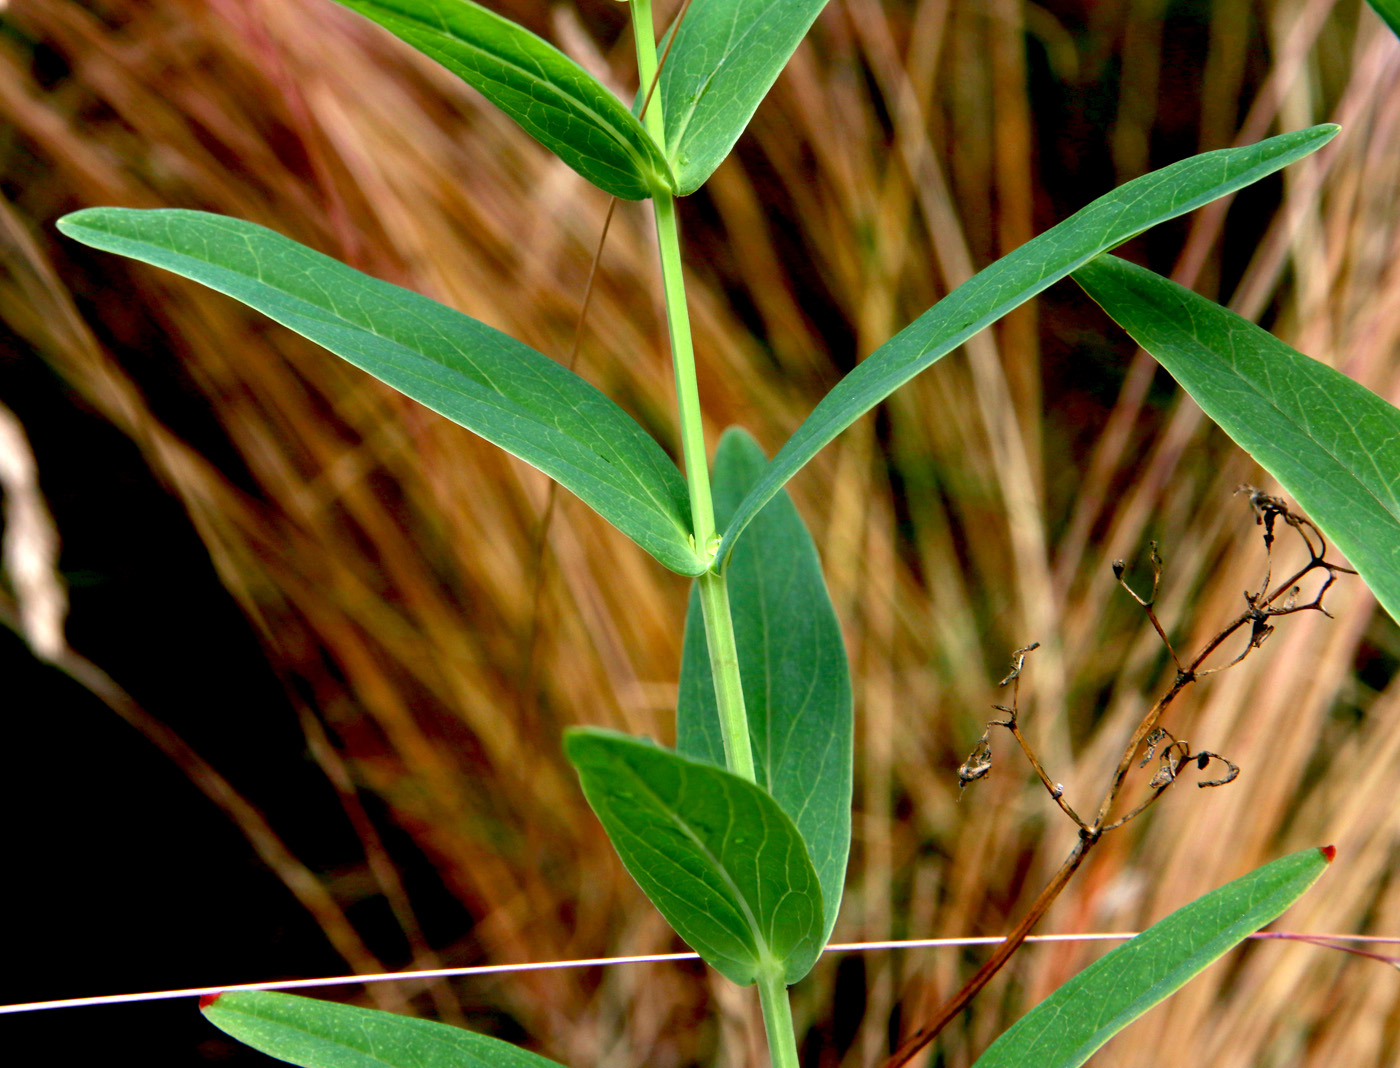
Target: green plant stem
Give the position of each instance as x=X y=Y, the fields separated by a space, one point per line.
x=777 y=1020
x=697 y=471
x=724 y=665
x=644 y=34
x=714 y=590
x=714 y=594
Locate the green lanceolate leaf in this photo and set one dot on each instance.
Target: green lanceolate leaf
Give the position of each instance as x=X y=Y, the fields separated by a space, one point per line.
x=323 y=1034
x=714 y=853
x=1015 y=278
x=797 y=686
x=1388 y=10
x=727 y=55
x=476 y=376
x=556 y=101
x=1068 y=1026
x=1332 y=444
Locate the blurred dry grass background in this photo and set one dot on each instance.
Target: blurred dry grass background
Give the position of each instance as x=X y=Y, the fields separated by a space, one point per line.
x=386 y=557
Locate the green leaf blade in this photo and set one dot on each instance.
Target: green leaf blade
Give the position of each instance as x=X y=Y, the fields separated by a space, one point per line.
x=1015 y=278
x=463 y=369
x=554 y=100
x=727 y=55
x=1332 y=444
x=713 y=852
x=324 y=1034
x=1065 y=1029
x=792 y=660
x=1388 y=10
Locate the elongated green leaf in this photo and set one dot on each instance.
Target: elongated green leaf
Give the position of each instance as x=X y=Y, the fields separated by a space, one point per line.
x=1388 y=10
x=727 y=55
x=797 y=685
x=1015 y=278
x=555 y=101
x=323 y=1034
x=476 y=376
x=714 y=853
x=1066 y=1028
x=1333 y=444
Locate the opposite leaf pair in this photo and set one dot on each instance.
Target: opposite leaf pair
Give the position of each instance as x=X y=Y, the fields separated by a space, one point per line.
x=550 y=417
x=724 y=59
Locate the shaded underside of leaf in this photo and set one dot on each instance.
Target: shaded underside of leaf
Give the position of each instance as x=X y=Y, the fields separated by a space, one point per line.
x=324 y=1034
x=714 y=853
x=1331 y=443
x=553 y=99
x=1066 y=1028
x=461 y=368
x=792 y=660
x=1015 y=278
x=727 y=55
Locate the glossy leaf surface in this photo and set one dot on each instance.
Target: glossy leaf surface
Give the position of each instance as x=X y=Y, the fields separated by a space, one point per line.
x=324 y=1034
x=727 y=55
x=1389 y=10
x=714 y=853
x=554 y=100
x=459 y=367
x=1332 y=443
x=1015 y=278
x=1065 y=1029
x=797 y=685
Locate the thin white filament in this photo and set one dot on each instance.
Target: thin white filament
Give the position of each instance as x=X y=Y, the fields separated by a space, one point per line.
x=495 y=969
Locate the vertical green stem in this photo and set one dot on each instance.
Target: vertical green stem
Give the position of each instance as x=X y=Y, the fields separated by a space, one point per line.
x=714 y=594
x=777 y=1020
x=644 y=33
x=683 y=360
x=724 y=665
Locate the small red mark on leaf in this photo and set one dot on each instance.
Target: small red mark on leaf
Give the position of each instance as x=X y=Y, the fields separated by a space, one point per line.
x=1329 y=852
x=208 y=999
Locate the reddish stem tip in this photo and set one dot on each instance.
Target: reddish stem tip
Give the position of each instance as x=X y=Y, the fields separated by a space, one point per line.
x=1328 y=852
x=208 y=999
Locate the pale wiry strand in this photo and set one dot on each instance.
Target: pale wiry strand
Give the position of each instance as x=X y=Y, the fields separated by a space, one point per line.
x=407 y=977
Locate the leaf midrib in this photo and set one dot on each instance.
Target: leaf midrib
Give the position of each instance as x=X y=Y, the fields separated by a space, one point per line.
x=617 y=134
x=765 y=950
x=732 y=44
x=1268 y=399
x=332 y=316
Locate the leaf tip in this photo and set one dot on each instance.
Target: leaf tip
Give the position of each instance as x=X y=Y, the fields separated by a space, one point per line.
x=1328 y=852
x=70 y=222
x=206 y=1000
x=76 y=222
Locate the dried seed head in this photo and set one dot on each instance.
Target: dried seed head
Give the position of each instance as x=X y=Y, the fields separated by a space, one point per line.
x=1119 y=567
x=1153 y=740
x=978 y=763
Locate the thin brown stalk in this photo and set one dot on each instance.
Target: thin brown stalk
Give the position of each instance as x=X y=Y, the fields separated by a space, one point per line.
x=1263 y=606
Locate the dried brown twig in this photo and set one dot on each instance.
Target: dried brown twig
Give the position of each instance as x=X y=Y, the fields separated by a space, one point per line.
x=1173 y=755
